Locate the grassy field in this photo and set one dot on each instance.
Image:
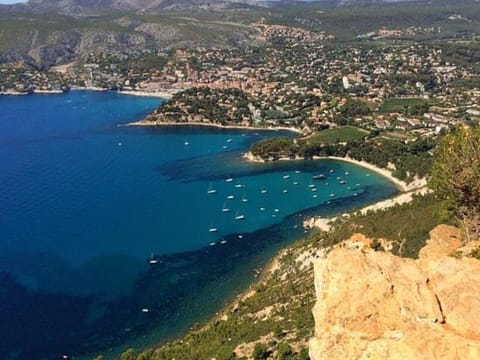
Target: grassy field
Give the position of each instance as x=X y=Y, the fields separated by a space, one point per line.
x=399 y=104
x=340 y=134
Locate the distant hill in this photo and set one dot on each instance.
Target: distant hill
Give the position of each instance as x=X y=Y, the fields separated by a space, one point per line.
x=92 y=7
x=44 y=33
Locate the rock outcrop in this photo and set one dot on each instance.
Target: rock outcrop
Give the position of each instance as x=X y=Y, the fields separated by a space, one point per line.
x=374 y=305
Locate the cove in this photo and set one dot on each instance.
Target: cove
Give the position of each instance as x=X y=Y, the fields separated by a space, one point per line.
x=86 y=205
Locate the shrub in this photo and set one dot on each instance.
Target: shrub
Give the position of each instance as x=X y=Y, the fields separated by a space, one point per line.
x=456 y=178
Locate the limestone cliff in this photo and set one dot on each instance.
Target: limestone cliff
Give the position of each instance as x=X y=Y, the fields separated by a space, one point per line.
x=374 y=305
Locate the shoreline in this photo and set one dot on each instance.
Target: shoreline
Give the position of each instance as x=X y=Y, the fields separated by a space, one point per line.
x=324 y=223
x=400 y=184
x=13 y=93
x=218 y=126
x=163 y=94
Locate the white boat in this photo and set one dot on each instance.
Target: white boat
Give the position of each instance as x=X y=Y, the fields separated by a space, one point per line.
x=212 y=244
x=186 y=143
x=240 y=236
x=230 y=197
x=229 y=180
x=331 y=170
x=347 y=173
x=153 y=260
x=314 y=189
x=225 y=146
x=286 y=176
x=332 y=195
x=119 y=143
x=212 y=228
x=297 y=171
x=145 y=310
x=311 y=185
x=223 y=242
x=211 y=190
x=264 y=191
x=229 y=140
x=224 y=208
x=239 y=216
x=244 y=199
x=239 y=186
x=315 y=196
x=355 y=194
x=295 y=183
x=262 y=209
x=276 y=210
x=285 y=191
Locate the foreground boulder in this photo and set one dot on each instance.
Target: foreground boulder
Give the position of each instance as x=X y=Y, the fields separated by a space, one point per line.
x=374 y=305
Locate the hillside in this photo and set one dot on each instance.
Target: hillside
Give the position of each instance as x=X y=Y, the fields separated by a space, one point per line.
x=273 y=318
x=46 y=33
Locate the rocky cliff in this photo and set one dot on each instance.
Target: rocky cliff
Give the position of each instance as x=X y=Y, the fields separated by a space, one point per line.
x=374 y=305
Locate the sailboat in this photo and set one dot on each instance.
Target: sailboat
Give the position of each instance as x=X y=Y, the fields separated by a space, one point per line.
x=239 y=216
x=229 y=180
x=244 y=199
x=211 y=190
x=152 y=260
x=224 y=208
x=264 y=191
x=212 y=229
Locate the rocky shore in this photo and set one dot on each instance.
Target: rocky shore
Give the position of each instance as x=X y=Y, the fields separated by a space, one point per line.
x=379 y=306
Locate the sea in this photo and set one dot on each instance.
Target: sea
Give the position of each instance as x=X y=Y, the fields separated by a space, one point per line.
x=117 y=236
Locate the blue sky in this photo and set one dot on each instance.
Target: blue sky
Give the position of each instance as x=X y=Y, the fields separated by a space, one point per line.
x=11 y=1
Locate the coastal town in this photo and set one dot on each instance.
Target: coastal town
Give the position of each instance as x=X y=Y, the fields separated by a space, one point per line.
x=240 y=179
x=295 y=78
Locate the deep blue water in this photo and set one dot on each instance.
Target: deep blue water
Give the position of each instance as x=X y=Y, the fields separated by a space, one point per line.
x=85 y=203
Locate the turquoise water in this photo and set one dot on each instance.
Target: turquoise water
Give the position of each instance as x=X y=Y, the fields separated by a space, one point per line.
x=85 y=204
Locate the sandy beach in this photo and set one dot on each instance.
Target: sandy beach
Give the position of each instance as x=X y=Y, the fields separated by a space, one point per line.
x=164 y=94
x=219 y=126
x=47 y=92
x=13 y=93
x=401 y=185
x=324 y=224
x=408 y=191
x=88 y=88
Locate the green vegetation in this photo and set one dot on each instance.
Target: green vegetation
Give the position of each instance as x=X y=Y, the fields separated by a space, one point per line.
x=456 y=178
x=407 y=226
x=340 y=134
x=275 y=319
x=409 y=159
x=203 y=104
x=410 y=106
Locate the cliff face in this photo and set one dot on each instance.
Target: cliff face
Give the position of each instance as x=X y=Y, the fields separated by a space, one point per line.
x=374 y=305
